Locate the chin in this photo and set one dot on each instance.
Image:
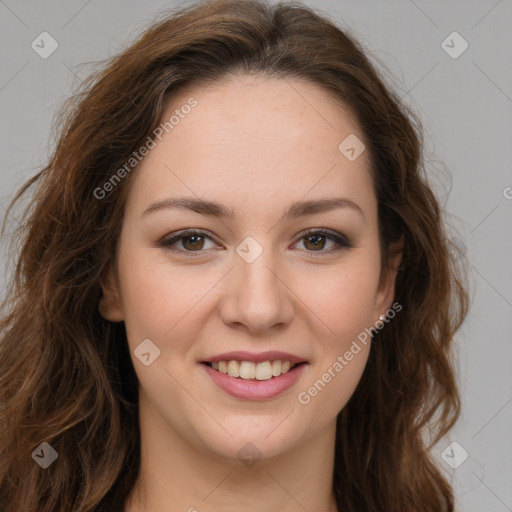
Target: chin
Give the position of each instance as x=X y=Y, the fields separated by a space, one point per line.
x=259 y=437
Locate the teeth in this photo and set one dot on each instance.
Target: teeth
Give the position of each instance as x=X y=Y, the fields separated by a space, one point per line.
x=233 y=369
x=248 y=370
x=263 y=371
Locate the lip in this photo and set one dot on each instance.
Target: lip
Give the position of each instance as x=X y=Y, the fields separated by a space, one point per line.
x=271 y=355
x=253 y=389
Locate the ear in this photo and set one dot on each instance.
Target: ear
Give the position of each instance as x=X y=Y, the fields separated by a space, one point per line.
x=386 y=289
x=110 y=302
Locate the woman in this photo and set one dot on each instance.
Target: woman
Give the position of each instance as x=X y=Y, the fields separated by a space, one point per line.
x=234 y=290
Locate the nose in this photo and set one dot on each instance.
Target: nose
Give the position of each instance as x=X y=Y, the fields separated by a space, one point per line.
x=257 y=295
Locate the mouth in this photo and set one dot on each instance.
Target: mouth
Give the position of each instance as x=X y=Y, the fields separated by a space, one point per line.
x=250 y=376
x=249 y=370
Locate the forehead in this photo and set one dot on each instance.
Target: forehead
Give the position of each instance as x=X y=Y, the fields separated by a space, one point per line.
x=254 y=135
x=256 y=113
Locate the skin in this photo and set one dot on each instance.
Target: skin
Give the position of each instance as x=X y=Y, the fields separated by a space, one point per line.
x=255 y=145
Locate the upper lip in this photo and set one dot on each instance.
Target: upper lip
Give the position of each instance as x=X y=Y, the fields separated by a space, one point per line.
x=272 y=355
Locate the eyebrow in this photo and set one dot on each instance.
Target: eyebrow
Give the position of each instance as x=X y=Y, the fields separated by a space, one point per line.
x=297 y=209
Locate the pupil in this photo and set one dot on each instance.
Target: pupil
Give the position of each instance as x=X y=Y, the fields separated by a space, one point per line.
x=317 y=239
x=193 y=237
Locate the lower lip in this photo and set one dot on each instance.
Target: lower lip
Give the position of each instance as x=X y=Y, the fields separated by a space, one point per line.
x=255 y=389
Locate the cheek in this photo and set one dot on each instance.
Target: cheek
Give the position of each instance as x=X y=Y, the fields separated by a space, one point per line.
x=156 y=296
x=342 y=299
x=330 y=388
x=343 y=302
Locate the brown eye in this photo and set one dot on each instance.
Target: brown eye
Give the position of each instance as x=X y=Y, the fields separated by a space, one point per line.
x=324 y=242
x=188 y=242
x=314 y=242
x=193 y=242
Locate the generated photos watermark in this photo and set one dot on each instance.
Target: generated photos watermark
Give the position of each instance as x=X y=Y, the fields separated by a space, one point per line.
x=304 y=397
x=150 y=143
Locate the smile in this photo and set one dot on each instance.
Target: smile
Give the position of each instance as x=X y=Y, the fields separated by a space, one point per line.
x=250 y=387
x=249 y=370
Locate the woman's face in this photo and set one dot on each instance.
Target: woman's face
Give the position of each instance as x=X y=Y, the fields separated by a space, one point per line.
x=290 y=273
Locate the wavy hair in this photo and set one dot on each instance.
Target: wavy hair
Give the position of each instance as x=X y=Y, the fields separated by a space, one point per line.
x=66 y=376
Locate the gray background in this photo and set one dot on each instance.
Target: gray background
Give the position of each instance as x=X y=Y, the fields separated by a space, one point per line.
x=465 y=105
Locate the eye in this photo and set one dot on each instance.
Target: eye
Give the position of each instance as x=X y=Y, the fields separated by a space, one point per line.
x=315 y=241
x=190 y=241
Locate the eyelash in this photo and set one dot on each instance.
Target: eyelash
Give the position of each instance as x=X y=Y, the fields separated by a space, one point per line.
x=340 y=240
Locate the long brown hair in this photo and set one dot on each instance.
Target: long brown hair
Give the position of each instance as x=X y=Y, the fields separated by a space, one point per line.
x=66 y=377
